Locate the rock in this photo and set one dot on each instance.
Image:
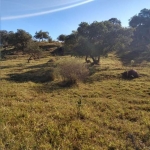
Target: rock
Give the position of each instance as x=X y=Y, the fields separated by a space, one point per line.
x=131 y=74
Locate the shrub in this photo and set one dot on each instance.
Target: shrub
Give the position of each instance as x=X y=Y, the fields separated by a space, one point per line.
x=72 y=70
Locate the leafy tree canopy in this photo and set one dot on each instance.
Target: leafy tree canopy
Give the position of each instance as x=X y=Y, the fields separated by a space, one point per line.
x=143 y=18
x=22 y=38
x=42 y=35
x=3 y=37
x=18 y=39
x=141 y=39
x=97 y=39
x=115 y=21
x=61 y=37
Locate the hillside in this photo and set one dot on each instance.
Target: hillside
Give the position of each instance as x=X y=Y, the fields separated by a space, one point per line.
x=103 y=113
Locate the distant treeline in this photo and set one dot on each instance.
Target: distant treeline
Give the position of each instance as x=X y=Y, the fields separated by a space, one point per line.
x=94 y=40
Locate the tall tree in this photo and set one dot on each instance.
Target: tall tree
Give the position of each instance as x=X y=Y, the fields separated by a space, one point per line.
x=22 y=38
x=18 y=39
x=115 y=21
x=61 y=37
x=11 y=38
x=143 y=18
x=141 y=39
x=3 y=37
x=42 y=35
x=97 y=39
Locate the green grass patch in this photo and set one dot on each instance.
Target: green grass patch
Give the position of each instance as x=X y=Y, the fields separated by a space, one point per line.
x=104 y=112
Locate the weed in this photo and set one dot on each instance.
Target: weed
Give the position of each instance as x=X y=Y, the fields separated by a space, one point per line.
x=79 y=109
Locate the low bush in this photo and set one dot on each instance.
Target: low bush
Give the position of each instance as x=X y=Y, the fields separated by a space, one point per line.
x=72 y=70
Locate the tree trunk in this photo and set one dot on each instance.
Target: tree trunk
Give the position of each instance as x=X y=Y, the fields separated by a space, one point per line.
x=92 y=58
x=86 y=59
x=98 y=61
x=95 y=61
x=30 y=58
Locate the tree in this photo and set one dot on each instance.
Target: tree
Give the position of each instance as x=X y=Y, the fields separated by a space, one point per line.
x=11 y=39
x=143 y=18
x=33 y=50
x=42 y=35
x=141 y=24
x=97 y=39
x=61 y=37
x=19 y=39
x=4 y=37
x=115 y=21
x=50 y=39
x=70 y=43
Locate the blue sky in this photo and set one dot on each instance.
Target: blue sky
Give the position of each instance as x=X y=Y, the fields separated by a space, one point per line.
x=62 y=16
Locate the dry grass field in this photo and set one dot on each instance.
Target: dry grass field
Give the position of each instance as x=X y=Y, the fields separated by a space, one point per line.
x=102 y=113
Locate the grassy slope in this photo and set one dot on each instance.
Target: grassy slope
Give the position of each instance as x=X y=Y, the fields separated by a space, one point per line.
x=113 y=114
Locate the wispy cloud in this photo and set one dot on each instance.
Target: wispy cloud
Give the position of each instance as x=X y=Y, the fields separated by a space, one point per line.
x=45 y=12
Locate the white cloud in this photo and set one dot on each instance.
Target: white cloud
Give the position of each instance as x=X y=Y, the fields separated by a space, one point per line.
x=46 y=12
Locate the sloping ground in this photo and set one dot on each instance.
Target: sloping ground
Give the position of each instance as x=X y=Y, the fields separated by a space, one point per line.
x=12 y=53
x=49 y=46
x=137 y=56
x=104 y=113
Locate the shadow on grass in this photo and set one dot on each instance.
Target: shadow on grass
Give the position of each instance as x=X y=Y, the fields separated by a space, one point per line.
x=53 y=86
x=6 y=67
x=37 y=76
x=137 y=56
x=37 y=66
x=44 y=65
x=40 y=73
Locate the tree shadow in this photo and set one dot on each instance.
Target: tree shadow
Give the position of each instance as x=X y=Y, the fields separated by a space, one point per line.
x=37 y=66
x=6 y=67
x=137 y=56
x=37 y=76
x=48 y=87
x=44 y=65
